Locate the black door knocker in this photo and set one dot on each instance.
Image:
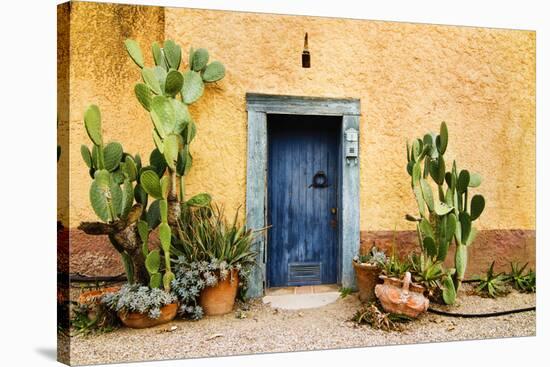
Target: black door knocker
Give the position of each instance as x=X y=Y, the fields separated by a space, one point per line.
x=319 y=180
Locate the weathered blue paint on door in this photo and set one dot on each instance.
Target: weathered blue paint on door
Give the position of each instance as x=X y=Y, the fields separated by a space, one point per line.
x=303 y=238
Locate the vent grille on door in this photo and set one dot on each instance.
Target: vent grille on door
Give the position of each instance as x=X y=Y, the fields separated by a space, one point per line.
x=304 y=273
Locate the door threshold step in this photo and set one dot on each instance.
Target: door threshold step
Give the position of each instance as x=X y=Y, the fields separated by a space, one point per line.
x=305 y=289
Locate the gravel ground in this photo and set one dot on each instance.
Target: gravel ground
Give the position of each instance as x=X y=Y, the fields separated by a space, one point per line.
x=270 y=330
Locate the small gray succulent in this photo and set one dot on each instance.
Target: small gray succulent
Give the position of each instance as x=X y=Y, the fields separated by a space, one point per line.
x=373 y=257
x=138 y=298
x=194 y=276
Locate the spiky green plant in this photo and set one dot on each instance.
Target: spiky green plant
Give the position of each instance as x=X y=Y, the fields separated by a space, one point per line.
x=395 y=267
x=449 y=214
x=208 y=235
x=431 y=274
x=119 y=178
x=491 y=284
x=521 y=280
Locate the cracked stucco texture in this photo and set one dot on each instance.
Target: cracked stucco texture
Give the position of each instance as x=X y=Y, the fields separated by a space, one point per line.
x=409 y=78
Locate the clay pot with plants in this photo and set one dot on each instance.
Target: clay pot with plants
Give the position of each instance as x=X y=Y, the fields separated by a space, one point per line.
x=367 y=270
x=140 y=306
x=401 y=296
x=137 y=320
x=216 y=256
x=220 y=298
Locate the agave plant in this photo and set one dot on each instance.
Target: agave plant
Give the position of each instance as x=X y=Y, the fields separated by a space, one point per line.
x=207 y=235
x=521 y=281
x=432 y=275
x=491 y=284
x=395 y=267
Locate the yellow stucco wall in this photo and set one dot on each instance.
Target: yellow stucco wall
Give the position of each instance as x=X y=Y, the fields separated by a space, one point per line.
x=409 y=77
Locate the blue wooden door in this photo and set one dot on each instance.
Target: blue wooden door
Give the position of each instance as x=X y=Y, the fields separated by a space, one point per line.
x=303 y=239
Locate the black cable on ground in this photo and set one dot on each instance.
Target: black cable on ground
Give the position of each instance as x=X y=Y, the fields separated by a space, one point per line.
x=474 y=315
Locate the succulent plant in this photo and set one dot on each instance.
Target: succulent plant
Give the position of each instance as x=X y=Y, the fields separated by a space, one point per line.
x=491 y=284
x=521 y=280
x=447 y=214
x=373 y=257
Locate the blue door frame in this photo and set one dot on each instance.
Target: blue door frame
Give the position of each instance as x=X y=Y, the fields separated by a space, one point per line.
x=259 y=106
x=302 y=200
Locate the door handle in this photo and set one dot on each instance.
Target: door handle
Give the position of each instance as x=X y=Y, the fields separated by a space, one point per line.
x=334 y=211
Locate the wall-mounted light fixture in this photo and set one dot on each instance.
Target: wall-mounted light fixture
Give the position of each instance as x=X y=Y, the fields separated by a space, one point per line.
x=306 y=59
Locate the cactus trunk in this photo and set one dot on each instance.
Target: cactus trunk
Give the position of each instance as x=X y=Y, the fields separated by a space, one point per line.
x=124 y=236
x=461 y=260
x=129 y=239
x=174 y=206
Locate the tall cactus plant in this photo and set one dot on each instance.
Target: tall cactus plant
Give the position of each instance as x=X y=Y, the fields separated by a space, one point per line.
x=114 y=173
x=119 y=179
x=448 y=214
x=165 y=92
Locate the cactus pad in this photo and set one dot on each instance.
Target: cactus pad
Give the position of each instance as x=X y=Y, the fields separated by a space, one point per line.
x=152 y=262
x=112 y=154
x=143 y=95
x=477 y=206
x=150 y=78
x=200 y=59
x=173 y=54
x=200 y=200
x=171 y=150
x=155 y=280
x=193 y=87
x=165 y=235
x=133 y=49
x=150 y=182
x=214 y=71
x=167 y=280
x=174 y=82
x=92 y=122
x=443 y=138
x=86 y=156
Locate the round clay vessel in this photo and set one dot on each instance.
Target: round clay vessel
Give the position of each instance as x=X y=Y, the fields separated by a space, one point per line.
x=402 y=298
x=220 y=299
x=93 y=297
x=138 y=320
x=367 y=278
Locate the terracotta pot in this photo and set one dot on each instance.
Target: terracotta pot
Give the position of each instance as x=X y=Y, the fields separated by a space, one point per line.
x=138 y=320
x=367 y=278
x=402 y=297
x=93 y=297
x=220 y=299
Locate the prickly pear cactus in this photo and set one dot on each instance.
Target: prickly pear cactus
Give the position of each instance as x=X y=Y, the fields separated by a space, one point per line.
x=165 y=92
x=447 y=214
x=121 y=186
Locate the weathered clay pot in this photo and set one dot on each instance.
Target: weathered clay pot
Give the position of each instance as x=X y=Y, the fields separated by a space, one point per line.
x=93 y=297
x=220 y=299
x=402 y=297
x=138 y=320
x=367 y=278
